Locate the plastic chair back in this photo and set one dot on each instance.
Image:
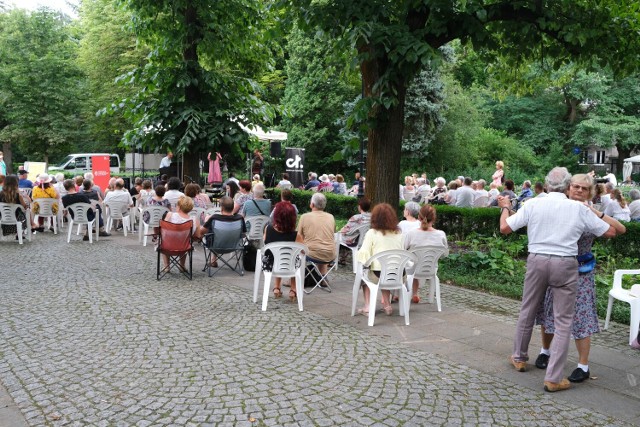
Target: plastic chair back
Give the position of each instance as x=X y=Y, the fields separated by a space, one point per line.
x=288 y=261
x=45 y=210
x=78 y=213
x=256 y=226
x=622 y=294
x=393 y=262
x=427 y=268
x=9 y=216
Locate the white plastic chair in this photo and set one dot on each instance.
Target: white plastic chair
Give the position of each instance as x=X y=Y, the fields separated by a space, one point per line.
x=198 y=213
x=120 y=211
x=393 y=262
x=619 y=293
x=45 y=210
x=155 y=215
x=427 y=268
x=8 y=216
x=256 y=226
x=78 y=213
x=481 y=202
x=288 y=262
x=360 y=230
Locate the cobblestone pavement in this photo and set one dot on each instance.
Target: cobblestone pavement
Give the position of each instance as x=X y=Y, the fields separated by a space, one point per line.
x=89 y=337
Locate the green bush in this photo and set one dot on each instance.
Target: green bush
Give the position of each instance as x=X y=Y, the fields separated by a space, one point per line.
x=462 y=222
x=341 y=207
x=626 y=245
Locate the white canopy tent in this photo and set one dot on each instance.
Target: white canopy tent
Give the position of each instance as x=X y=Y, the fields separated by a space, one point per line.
x=634 y=159
x=257 y=131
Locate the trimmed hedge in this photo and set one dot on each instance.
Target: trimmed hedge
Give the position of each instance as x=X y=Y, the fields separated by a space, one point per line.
x=458 y=223
x=627 y=244
x=337 y=205
x=461 y=222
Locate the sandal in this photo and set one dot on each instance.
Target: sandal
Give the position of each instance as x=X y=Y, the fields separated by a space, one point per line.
x=292 y=295
x=277 y=293
x=415 y=299
x=388 y=310
x=363 y=311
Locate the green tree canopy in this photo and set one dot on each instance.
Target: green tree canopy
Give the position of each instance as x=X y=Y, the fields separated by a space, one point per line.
x=395 y=40
x=40 y=84
x=198 y=82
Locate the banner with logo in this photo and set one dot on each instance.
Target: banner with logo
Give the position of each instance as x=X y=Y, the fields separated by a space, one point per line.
x=294 y=165
x=101 y=171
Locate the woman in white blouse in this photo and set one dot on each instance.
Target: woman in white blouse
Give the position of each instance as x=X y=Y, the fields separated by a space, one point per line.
x=426 y=235
x=617 y=208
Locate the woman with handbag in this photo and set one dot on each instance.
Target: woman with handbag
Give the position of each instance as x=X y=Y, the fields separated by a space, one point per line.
x=585 y=320
x=281 y=229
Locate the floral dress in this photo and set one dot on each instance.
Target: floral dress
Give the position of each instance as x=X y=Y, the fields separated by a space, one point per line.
x=585 y=320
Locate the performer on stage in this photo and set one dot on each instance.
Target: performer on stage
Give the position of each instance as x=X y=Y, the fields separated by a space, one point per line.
x=215 y=175
x=258 y=163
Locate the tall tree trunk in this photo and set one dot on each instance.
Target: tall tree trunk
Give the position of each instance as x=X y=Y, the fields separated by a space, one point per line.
x=193 y=96
x=384 y=145
x=8 y=156
x=623 y=153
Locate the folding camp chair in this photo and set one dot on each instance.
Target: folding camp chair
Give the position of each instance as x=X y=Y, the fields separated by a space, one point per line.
x=313 y=274
x=225 y=238
x=175 y=242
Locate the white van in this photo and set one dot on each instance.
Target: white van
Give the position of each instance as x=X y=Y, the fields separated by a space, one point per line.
x=81 y=163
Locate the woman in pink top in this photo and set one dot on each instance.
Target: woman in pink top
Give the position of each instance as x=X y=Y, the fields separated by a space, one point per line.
x=498 y=175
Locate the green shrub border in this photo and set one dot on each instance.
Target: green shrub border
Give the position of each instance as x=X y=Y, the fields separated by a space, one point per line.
x=457 y=223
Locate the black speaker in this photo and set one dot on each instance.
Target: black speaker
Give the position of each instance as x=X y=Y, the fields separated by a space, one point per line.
x=276 y=149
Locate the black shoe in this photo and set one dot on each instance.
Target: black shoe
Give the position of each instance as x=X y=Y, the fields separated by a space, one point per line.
x=578 y=375
x=104 y=234
x=85 y=238
x=542 y=361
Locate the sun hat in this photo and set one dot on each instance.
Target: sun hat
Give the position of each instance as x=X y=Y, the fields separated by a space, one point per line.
x=44 y=178
x=324 y=178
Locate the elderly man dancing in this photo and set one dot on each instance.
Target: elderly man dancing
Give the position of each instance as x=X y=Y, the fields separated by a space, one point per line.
x=554 y=225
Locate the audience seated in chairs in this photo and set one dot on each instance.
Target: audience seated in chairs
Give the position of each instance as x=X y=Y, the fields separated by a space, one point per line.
x=284 y=183
x=11 y=194
x=244 y=194
x=258 y=205
x=200 y=200
x=43 y=190
x=225 y=220
x=411 y=212
x=361 y=218
x=173 y=192
x=426 y=235
x=282 y=229
x=73 y=197
x=317 y=228
x=181 y=216
x=383 y=235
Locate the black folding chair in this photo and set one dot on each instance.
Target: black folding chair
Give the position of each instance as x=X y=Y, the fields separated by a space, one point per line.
x=225 y=238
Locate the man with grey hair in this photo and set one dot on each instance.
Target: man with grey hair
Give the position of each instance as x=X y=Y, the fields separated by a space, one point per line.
x=317 y=228
x=96 y=188
x=554 y=225
x=313 y=181
x=258 y=205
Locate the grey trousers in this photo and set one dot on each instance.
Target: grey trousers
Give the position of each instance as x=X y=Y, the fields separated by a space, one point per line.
x=561 y=275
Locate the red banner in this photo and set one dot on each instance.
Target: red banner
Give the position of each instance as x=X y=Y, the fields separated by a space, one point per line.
x=101 y=171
